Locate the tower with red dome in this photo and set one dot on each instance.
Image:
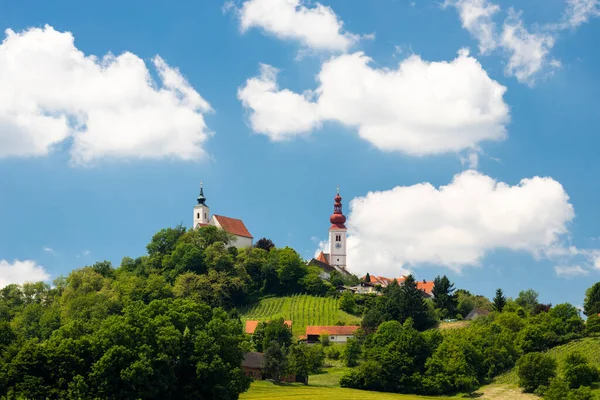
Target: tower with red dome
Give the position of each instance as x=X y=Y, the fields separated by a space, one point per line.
x=337 y=234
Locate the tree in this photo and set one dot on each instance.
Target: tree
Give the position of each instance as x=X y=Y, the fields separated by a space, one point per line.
x=277 y=331
x=347 y=303
x=527 y=299
x=298 y=359
x=579 y=372
x=265 y=244
x=352 y=352
x=276 y=361
x=499 y=301
x=367 y=277
x=444 y=298
x=591 y=304
x=535 y=370
x=593 y=324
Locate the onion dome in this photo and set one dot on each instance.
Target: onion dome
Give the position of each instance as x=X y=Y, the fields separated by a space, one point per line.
x=337 y=219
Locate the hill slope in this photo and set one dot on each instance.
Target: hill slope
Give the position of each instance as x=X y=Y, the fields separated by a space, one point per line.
x=302 y=310
x=590 y=347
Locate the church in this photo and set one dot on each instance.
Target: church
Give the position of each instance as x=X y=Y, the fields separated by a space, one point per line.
x=335 y=260
x=202 y=217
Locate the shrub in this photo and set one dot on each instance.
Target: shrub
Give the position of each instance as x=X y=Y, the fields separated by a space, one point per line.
x=579 y=372
x=324 y=340
x=352 y=352
x=367 y=377
x=534 y=370
x=333 y=353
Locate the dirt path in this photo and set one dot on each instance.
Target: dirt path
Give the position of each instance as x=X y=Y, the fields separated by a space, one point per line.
x=502 y=392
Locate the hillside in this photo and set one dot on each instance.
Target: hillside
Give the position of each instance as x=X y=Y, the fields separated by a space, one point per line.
x=302 y=310
x=590 y=347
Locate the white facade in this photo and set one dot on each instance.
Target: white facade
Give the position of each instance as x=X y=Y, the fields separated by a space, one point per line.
x=240 y=242
x=337 y=247
x=201 y=215
x=339 y=338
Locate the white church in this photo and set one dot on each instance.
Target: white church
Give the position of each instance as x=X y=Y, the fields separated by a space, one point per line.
x=202 y=217
x=335 y=260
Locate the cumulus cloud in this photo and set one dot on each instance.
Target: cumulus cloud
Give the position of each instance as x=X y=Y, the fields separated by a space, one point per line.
x=455 y=225
x=110 y=107
x=418 y=108
x=570 y=271
x=20 y=272
x=317 y=28
x=528 y=52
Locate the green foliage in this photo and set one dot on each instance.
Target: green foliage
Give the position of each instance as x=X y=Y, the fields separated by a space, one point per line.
x=559 y=390
x=535 y=370
x=400 y=303
x=276 y=361
x=265 y=244
x=333 y=352
x=499 y=300
x=579 y=372
x=352 y=352
x=324 y=339
x=347 y=303
x=299 y=360
x=444 y=298
x=527 y=299
x=591 y=305
x=592 y=325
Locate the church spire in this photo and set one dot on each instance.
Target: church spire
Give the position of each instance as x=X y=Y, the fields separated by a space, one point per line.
x=337 y=218
x=201 y=198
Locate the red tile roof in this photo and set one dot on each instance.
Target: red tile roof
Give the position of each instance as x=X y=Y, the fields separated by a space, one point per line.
x=321 y=257
x=382 y=280
x=233 y=226
x=427 y=287
x=331 y=330
x=251 y=326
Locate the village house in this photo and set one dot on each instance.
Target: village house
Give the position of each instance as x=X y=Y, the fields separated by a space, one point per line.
x=251 y=326
x=253 y=364
x=476 y=313
x=337 y=334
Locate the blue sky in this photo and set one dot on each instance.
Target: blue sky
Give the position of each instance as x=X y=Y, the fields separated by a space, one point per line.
x=95 y=162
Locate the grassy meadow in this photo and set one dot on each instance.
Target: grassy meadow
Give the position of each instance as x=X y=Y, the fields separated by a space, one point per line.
x=302 y=310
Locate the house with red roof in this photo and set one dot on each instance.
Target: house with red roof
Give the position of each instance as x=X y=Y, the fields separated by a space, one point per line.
x=337 y=334
x=425 y=286
x=241 y=236
x=251 y=326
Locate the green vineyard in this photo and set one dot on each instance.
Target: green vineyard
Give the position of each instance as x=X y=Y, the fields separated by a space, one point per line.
x=590 y=347
x=302 y=310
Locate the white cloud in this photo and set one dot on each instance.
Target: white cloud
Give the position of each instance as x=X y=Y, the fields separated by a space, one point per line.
x=476 y=17
x=471 y=160
x=570 y=271
x=20 y=272
x=317 y=28
x=111 y=107
x=527 y=52
x=579 y=12
x=48 y=249
x=419 y=108
x=455 y=225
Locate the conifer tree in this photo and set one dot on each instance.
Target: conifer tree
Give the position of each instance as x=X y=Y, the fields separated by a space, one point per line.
x=499 y=301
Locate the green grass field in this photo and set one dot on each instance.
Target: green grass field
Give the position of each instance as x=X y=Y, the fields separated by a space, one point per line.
x=590 y=347
x=302 y=310
x=326 y=386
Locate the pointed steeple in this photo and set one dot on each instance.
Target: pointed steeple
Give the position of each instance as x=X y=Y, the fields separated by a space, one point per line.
x=201 y=198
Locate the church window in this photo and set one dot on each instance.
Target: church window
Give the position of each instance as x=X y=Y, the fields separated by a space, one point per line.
x=205 y=217
x=198 y=216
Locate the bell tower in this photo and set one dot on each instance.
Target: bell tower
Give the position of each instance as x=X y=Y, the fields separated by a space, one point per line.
x=201 y=211
x=337 y=234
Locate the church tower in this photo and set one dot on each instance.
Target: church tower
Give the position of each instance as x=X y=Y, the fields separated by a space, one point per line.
x=337 y=234
x=201 y=211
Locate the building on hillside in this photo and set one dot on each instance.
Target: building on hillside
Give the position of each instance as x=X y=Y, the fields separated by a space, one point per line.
x=365 y=288
x=335 y=260
x=202 y=217
x=476 y=313
x=253 y=364
x=337 y=334
x=251 y=326
x=425 y=286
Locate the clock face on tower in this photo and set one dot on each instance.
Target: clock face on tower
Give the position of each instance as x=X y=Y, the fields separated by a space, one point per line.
x=338 y=245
